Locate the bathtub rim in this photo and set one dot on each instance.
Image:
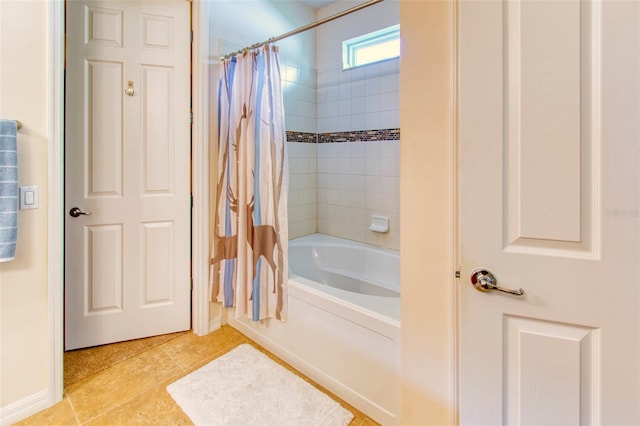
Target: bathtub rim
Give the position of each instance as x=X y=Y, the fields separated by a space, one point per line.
x=326 y=239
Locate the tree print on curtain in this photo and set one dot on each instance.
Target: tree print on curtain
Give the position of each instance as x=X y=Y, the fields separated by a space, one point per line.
x=249 y=265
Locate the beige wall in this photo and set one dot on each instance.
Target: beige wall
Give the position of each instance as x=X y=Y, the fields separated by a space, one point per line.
x=426 y=209
x=24 y=340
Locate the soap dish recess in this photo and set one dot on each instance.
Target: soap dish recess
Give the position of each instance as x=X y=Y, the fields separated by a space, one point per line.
x=379 y=224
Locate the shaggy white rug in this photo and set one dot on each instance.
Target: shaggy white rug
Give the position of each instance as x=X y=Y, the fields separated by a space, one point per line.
x=244 y=387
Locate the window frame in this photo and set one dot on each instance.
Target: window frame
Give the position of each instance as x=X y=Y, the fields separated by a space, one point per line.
x=350 y=47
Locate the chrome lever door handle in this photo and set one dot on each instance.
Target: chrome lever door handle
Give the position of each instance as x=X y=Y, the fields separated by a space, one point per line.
x=484 y=280
x=75 y=212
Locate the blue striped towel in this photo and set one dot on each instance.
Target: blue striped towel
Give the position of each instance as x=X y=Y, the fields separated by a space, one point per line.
x=8 y=189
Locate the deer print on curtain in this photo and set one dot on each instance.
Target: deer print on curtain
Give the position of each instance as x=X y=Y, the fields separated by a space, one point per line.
x=249 y=267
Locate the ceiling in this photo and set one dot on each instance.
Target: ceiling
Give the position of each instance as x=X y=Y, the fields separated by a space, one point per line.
x=316 y=4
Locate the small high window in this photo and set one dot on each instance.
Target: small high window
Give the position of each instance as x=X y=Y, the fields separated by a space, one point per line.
x=373 y=47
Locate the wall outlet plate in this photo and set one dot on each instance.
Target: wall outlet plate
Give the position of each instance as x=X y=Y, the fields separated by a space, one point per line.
x=29 y=197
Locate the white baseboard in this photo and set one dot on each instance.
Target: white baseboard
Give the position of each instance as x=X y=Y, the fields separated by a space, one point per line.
x=24 y=408
x=215 y=324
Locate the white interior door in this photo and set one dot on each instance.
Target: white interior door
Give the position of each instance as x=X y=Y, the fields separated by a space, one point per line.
x=549 y=98
x=127 y=139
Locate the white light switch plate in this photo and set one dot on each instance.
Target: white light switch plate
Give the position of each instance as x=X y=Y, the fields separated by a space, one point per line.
x=29 y=197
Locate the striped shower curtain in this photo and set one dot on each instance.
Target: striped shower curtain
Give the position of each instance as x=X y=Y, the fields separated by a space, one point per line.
x=249 y=265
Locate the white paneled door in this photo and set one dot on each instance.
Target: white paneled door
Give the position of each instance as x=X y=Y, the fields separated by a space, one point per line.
x=127 y=145
x=549 y=100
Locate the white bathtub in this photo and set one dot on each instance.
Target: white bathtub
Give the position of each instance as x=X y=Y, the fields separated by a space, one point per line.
x=344 y=322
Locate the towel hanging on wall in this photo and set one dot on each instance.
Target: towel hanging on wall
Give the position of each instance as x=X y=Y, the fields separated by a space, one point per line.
x=8 y=189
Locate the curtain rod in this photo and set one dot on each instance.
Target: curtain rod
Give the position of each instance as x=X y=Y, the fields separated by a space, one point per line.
x=305 y=27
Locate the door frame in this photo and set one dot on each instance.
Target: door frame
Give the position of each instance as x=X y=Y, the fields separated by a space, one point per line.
x=199 y=186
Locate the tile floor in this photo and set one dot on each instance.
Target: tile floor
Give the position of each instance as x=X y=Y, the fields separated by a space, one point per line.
x=124 y=383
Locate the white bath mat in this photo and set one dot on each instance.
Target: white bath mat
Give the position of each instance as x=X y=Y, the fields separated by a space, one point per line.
x=244 y=387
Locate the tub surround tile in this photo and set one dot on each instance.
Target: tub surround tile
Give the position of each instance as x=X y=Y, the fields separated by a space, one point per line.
x=331 y=99
x=303 y=183
x=357 y=105
x=351 y=182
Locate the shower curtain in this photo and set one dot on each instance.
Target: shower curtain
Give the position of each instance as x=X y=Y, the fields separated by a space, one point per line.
x=249 y=265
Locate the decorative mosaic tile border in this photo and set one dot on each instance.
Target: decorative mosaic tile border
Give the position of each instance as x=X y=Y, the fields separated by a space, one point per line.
x=350 y=136
x=302 y=137
x=360 y=136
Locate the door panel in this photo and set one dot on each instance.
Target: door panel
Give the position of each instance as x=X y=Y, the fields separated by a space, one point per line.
x=544 y=363
x=104 y=126
x=548 y=157
x=104 y=269
x=550 y=118
x=127 y=163
x=543 y=106
x=159 y=263
x=158 y=124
